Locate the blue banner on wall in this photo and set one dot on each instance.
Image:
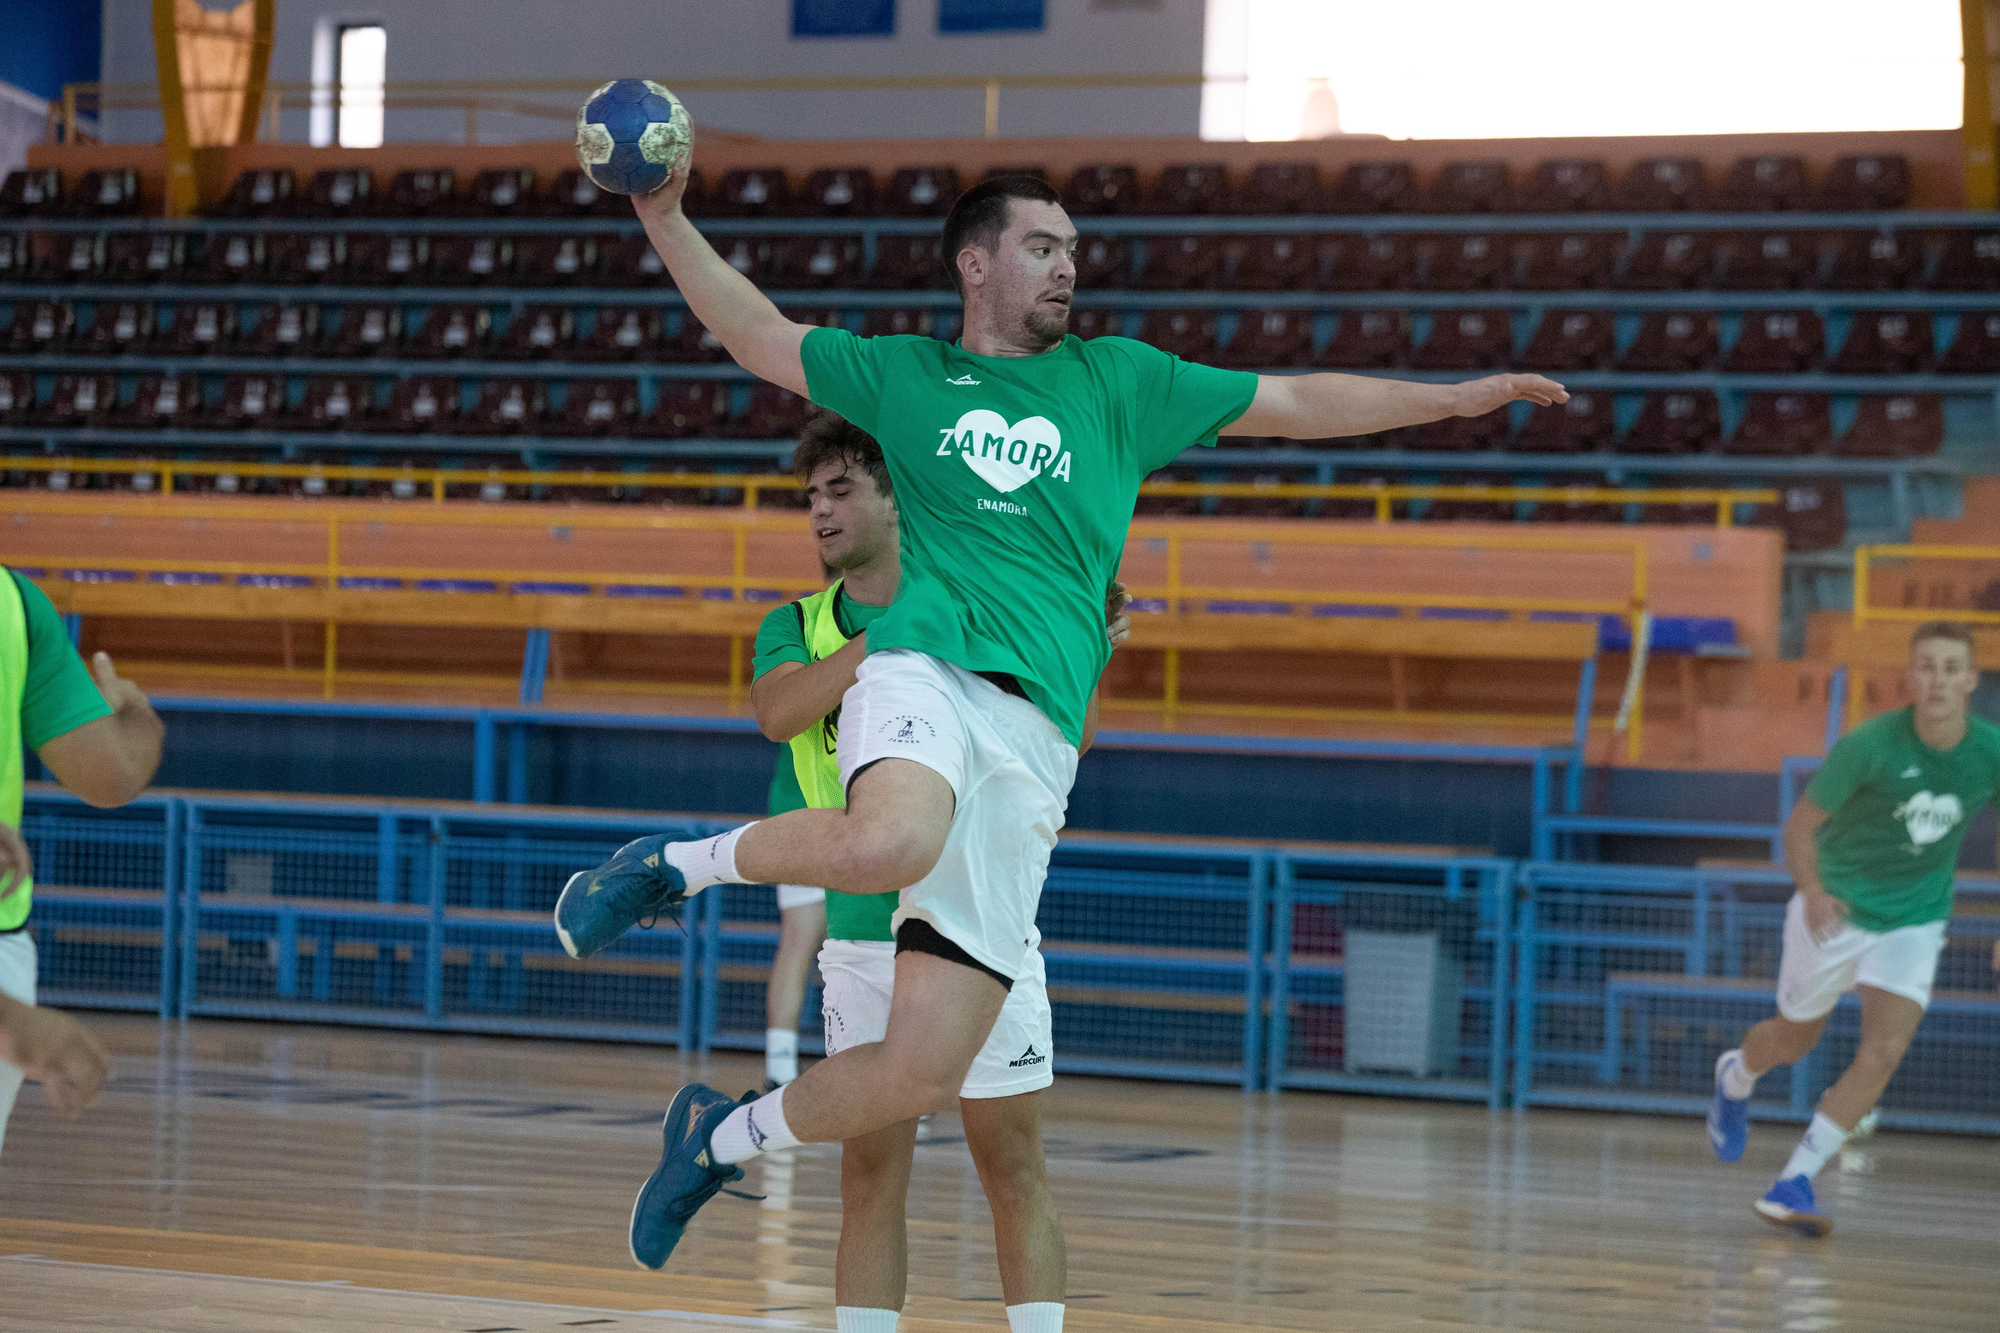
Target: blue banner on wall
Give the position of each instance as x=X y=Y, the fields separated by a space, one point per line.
x=990 y=15
x=843 y=18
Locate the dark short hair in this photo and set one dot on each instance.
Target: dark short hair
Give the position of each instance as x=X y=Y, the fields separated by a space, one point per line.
x=1951 y=631
x=830 y=437
x=980 y=215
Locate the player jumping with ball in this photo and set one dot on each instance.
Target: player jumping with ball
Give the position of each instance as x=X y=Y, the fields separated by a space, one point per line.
x=1016 y=455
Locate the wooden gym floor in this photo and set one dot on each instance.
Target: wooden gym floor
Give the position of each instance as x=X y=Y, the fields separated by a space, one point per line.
x=259 y=1177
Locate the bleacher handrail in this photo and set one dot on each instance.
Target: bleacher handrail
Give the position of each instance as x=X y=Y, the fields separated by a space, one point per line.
x=1866 y=555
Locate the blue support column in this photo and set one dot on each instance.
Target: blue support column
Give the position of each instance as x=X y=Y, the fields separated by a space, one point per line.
x=73 y=623
x=170 y=910
x=483 y=757
x=708 y=937
x=1586 y=693
x=190 y=907
x=1277 y=1032
x=1253 y=980
x=386 y=857
x=1496 y=886
x=517 y=763
x=534 y=666
x=1524 y=998
x=434 y=931
x=1836 y=711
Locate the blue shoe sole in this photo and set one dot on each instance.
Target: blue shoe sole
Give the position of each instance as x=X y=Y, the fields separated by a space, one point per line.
x=1815 y=1225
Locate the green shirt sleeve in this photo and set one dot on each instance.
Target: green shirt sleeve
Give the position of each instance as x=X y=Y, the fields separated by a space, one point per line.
x=781 y=638
x=59 y=695
x=844 y=372
x=785 y=793
x=1845 y=772
x=1181 y=403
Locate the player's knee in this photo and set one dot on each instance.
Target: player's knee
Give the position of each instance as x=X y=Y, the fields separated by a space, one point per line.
x=891 y=856
x=1882 y=1054
x=1012 y=1170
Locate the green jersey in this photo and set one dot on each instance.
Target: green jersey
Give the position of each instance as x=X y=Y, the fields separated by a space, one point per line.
x=1015 y=481
x=1897 y=811
x=785 y=636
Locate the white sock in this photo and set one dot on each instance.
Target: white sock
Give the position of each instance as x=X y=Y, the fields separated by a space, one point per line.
x=1035 y=1317
x=863 y=1319
x=1822 y=1140
x=710 y=861
x=758 y=1127
x=1737 y=1080
x=781 y=1054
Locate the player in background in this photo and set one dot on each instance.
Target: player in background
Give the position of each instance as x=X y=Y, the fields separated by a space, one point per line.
x=1017 y=454
x=801 y=930
x=1873 y=849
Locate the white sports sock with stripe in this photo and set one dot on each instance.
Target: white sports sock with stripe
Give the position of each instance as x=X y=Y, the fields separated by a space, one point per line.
x=1822 y=1140
x=1035 y=1317
x=863 y=1319
x=709 y=861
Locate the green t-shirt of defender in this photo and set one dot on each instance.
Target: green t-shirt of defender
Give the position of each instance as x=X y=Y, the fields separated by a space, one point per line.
x=1897 y=811
x=783 y=637
x=1015 y=482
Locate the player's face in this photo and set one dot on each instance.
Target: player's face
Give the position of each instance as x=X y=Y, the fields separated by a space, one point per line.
x=852 y=522
x=1942 y=677
x=1033 y=273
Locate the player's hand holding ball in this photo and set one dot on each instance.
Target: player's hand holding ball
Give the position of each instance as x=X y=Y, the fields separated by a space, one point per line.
x=633 y=137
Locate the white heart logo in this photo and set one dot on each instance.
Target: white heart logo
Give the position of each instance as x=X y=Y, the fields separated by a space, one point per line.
x=1929 y=817
x=1006 y=457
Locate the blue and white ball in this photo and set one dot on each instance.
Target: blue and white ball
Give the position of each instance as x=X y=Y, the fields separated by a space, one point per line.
x=631 y=135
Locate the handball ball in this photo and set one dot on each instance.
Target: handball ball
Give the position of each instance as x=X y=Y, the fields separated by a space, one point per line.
x=630 y=136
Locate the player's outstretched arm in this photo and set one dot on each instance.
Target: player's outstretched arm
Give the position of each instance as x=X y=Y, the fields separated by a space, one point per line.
x=792 y=696
x=728 y=304
x=1317 y=407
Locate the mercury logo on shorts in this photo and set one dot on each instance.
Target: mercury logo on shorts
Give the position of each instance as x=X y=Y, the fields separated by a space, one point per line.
x=903 y=730
x=1031 y=1056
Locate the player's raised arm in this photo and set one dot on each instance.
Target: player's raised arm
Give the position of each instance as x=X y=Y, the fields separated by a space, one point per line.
x=1316 y=407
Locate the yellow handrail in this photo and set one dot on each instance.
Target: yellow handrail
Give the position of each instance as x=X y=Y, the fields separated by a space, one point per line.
x=1865 y=610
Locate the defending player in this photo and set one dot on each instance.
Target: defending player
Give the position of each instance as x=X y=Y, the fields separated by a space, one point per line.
x=1017 y=455
x=1873 y=848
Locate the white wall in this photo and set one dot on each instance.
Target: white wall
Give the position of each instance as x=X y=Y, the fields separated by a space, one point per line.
x=669 y=39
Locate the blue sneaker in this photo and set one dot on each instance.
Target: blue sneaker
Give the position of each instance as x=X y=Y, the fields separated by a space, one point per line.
x=686 y=1178
x=1789 y=1203
x=597 y=906
x=1728 y=1117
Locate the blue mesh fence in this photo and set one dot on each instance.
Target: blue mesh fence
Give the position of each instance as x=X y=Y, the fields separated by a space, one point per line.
x=102 y=893
x=740 y=927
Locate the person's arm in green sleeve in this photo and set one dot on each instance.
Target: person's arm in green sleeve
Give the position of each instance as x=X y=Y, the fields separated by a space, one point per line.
x=790 y=691
x=99 y=737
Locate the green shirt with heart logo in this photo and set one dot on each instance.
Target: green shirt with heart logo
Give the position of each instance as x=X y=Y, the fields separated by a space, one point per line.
x=1897 y=811
x=1015 y=480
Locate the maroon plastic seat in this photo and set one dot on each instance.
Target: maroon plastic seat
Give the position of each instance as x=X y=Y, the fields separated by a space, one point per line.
x=1975 y=348
x=1190 y=188
x=622 y=333
x=119 y=328
x=1457 y=435
x=259 y=192
x=1875 y=261
x=839 y=192
x=1811 y=514
x=285 y=329
x=748 y=255
x=469 y=261
x=918 y=321
x=1265 y=506
x=17 y=396
x=1181 y=263
x=418 y=404
x=693 y=342
x=631 y=261
x=1777 y=342
x=1566 y=185
x=1680 y=422
x=1187 y=334
x=367 y=330
x=1585 y=424
x=595 y=407
x=1572 y=340
x=1270 y=262
x=537 y=333
x=1968 y=261
x=1103 y=262
x=40 y=326
x=374 y=259
x=338 y=192
x=420 y=192
x=573 y=194
x=1270 y=339
x=76 y=257
x=1769 y=261
x=110 y=192
x=233 y=256
x=1466 y=340
x=1906 y=425
x=1885 y=342
x=1089 y=322
x=1866 y=181
x=686 y=409
x=86 y=399
x=816 y=261
x=1102 y=189
x=332 y=402
x=1668 y=261
x=1347 y=262
x=160 y=402
x=907 y=263
x=751 y=192
x=31 y=192
x=921 y=192
x=503 y=192
x=772 y=414
x=1782 y=425
x=1768 y=182
x=450 y=331
x=143 y=257
x=1374 y=187
x=1367 y=340
x=1153 y=506
x=17 y=263
x=1466 y=262
x=1470 y=187
x=297 y=258
x=198 y=327
x=556 y=261
x=504 y=407
x=249 y=401
x=1282 y=187
x=1663 y=184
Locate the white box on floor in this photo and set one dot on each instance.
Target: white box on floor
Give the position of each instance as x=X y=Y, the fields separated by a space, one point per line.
x=1401 y=1004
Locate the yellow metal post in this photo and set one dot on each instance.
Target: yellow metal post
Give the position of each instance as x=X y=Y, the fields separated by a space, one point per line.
x=1982 y=177
x=263 y=24
x=182 y=194
x=993 y=108
x=327 y=665
x=735 y=671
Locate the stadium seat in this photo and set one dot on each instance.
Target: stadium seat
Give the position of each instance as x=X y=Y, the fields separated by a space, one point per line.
x=1091 y=323
x=1867 y=181
x=254 y=401
x=748 y=255
x=1668 y=261
x=1374 y=187
x=1262 y=506
x=1466 y=340
x=31 y=192
x=1768 y=182
x=15 y=264
x=1187 y=334
x=1663 y=184
x=366 y=330
x=139 y=257
x=816 y=261
x=161 y=402
x=80 y=400
x=1975 y=348
x=820 y=317
x=1812 y=515
x=450 y=330
x=118 y=328
x=751 y=192
x=1181 y=263
x=259 y=192
x=1102 y=189
x=468 y=261
x=1777 y=342
x=1874 y=261
x=686 y=409
x=1367 y=340
x=420 y=192
x=1587 y=423
x=420 y=403
x=622 y=333
x=556 y=261
x=692 y=343
x=296 y=258
x=1103 y=262
x=1894 y=426
x=920 y=321
x=502 y=192
x=839 y=192
x=332 y=403
x=1681 y=422
x=79 y=257
x=111 y=192
x=921 y=192
x=1270 y=339
x=1470 y=187
x=1465 y=262
x=281 y=330
x=198 y=327
x=1282 y=187
x=1769 y=261
x=1782 y=425
x=1270 y=262
x=1348 y=262
x=1572 y=340
x=1671 y=341
x=537 y=333
x=631 y=261
x=772 y=414
x=379 y=260
x=339 y=192
x=907 y=263
x=1968 y=261
x=1566 y=185
x=573 y=194
x=1885 y=342
x=1190 y=188
x=1457 y=435
x=235 y=256
x=40 y=326
x=1001 y=170
x=503 y=407
x=595 y=407
x=17 y=396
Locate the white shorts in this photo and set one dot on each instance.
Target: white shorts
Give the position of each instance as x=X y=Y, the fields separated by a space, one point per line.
x=17 y=980
x=798 y=895
x=1009 y=768
x=1814 y=974
x=860 y=977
